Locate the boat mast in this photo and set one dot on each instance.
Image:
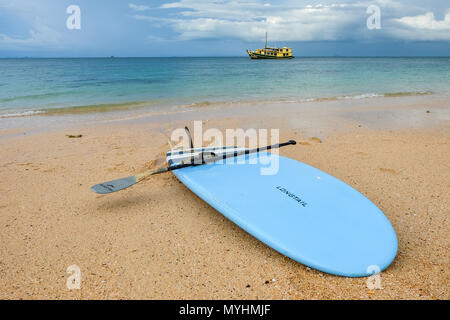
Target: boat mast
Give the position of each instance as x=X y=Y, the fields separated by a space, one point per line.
x=266 y=41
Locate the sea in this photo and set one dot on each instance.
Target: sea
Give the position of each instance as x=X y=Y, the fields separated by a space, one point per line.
x=31 y=87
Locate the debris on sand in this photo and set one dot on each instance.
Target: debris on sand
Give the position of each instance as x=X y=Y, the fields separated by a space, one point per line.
x=388 y=170
x=316 y=139
x=155 y=163
x=71 y=136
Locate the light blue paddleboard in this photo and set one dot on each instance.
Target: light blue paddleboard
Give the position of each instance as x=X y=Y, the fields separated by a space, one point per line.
x=300 y=211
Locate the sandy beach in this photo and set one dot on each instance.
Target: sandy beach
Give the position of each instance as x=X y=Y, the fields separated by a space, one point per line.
x=158 y=240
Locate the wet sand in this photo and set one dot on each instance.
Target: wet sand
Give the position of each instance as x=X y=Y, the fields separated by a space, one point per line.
x=158 y=240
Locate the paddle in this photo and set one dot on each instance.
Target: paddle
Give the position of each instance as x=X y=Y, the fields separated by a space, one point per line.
x=120 y=184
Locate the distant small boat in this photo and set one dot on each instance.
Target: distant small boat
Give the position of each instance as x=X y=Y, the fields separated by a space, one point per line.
x=271 y=53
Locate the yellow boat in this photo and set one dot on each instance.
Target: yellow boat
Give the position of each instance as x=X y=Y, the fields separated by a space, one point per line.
x=271 y=53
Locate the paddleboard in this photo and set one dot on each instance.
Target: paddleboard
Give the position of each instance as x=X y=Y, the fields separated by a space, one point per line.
x=299 y=211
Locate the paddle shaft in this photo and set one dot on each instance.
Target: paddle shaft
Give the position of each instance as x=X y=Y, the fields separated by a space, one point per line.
x=203 y=161
x=120 y=184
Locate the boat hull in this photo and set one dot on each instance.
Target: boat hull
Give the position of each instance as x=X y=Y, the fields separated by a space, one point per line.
x=255 y=56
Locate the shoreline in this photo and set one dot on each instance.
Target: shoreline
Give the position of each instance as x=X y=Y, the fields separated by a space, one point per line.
x=160 y=241
x=104 y=107
x=375 y=112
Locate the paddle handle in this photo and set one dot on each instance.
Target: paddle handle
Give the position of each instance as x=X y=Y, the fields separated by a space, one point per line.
x=276 y=146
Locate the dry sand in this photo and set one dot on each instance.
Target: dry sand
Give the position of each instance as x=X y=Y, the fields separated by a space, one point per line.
x=158 y=240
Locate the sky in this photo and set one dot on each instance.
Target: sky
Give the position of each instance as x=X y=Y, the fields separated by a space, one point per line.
x=155 y=28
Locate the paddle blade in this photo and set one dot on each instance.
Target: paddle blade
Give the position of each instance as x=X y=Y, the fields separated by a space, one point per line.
x=115 y=185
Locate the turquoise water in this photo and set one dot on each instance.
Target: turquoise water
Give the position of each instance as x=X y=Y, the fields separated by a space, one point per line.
x=30 y=85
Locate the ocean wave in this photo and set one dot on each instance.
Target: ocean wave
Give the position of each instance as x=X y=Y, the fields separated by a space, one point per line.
x=108 y=107
x=40 y=96
x=84 y=109
x=366 y=96
x=94 y=108
x=408 y=93
x=205 y=104
x=360 y=96
x=21 y=114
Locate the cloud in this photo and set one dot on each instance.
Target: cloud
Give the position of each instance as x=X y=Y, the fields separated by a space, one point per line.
x=426 y=22
x=423 y=27
x=248 y=21
x=287 y=20
x=138 y=7
x=40 y=34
